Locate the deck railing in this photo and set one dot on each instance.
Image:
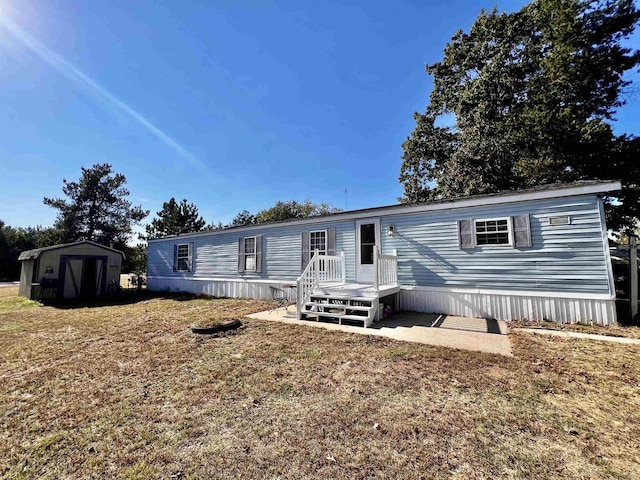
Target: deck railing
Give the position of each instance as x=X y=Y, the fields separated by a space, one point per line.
x=386 y=268
x=321 y=269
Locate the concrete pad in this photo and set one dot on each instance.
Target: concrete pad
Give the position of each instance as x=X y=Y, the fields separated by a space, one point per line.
x=585 y=336
x=476 y=334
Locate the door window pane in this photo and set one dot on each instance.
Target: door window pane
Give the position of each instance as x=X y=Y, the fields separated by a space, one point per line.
x=368 y=233
x=366 y=255
x=367 y=243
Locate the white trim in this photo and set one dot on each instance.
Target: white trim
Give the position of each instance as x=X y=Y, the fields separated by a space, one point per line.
x=362 y=275
x=391 y=210
x=510 y=239
x=512 y=293
x=605 y=245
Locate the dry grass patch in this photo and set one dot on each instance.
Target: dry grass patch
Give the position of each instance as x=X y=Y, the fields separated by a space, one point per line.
x=128 y=391
x=628 y=331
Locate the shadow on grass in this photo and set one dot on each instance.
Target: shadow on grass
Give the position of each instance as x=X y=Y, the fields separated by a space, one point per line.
x=125 y=297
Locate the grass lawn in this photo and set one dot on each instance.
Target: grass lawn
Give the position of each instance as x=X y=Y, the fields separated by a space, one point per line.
x=128 y=391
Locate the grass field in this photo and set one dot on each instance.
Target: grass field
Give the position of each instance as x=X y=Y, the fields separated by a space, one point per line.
x=128 y=391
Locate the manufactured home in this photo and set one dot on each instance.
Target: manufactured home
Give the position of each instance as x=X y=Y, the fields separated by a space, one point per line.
x=536 y=254
x=82 y=269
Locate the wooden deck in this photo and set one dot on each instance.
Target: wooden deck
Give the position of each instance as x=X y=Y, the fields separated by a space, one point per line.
x=351 y=290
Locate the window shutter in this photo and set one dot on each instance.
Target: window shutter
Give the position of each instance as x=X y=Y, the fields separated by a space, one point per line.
x=331 y=241
x=258 y=253
x=241 y=254
x=521 y=231
x=305 y=249
x=175 y=257
x=192 y=264
x=466 y=235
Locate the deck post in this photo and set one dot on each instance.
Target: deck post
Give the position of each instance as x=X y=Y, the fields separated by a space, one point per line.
x=344 y=268
x=376 y=273
x=317 y=266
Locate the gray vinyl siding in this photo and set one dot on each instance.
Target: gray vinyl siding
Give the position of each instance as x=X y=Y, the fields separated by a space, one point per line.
x=216 y=255
x=569 y=258
x=565 y=258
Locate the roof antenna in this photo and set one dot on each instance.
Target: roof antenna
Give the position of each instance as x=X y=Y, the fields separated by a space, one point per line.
x=346 y=200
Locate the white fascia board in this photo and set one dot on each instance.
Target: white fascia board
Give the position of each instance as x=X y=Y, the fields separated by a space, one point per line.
x=391 y=210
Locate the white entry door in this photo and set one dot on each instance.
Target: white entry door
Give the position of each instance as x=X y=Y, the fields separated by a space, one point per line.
x=367 y=239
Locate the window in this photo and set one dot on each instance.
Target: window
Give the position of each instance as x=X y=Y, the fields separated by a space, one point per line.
x=183 y=257
x=367 y=243
x=318 y=241
x=492 y=232
x=250 y=254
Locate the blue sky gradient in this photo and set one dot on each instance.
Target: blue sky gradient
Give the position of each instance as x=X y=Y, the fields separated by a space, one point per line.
x=230 y=104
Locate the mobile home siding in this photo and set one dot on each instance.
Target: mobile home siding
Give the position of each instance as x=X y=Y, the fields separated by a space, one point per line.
x=567 y=258
x=564 y=275
x=216 y=255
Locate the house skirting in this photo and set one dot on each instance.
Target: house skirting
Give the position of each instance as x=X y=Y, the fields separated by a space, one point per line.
x=500 y=305
x=217 y=287
x=512 y=305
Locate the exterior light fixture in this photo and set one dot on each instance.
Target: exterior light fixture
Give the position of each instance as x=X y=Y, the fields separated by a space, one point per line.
x=392 y=231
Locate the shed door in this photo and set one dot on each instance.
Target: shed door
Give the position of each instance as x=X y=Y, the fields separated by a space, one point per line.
x=73 y=278
x=367 y=239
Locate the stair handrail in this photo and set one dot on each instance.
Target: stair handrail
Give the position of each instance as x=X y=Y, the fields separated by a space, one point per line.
x=307 y=282
x=333 y=269
x=386 y=268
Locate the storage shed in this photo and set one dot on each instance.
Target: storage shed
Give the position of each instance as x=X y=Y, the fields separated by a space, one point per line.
x=83 y=269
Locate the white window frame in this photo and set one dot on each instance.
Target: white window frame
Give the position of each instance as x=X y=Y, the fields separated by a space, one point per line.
x=253 y=255
x=493 y=245
x=326 y=246
x=186 y=257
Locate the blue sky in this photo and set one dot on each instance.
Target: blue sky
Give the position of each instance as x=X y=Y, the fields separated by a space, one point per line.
x=230 y=104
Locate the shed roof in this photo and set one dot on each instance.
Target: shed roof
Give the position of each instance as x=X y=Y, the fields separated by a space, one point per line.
x=35 y=253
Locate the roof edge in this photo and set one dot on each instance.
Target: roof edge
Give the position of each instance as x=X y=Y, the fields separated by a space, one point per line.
x=35 y=252
x=556 y=190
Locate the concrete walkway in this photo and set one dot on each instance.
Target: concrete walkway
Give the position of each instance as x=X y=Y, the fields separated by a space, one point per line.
x=474 y=334
x=586 y=336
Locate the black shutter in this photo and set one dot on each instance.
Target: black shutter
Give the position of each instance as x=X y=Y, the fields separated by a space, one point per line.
x=192 y=258
x=175 y=257
x=466 y=235
x=241 y=254
x=331 y=241
x=258 y=253
x=305 y=249
x=521 y=231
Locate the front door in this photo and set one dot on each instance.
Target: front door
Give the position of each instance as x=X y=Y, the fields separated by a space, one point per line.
x=367 y=239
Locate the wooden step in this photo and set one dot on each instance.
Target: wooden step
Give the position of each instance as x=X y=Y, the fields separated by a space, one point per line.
x=338 y=306
x=359 y=318
x=348 y=300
